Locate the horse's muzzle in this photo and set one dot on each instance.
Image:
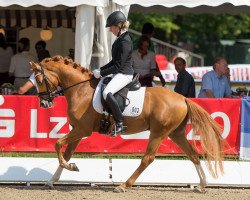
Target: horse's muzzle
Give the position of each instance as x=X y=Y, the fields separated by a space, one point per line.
x=46 y=104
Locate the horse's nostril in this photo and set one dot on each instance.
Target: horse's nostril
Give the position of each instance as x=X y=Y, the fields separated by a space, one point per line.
x=46 y=104
x=43 y=104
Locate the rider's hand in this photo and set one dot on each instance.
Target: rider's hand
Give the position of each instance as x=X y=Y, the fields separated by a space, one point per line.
x=97 y=73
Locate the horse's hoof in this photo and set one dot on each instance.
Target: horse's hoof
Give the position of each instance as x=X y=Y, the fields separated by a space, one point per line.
x=48 y=187
x=73 y=167
x=199 y=189
x=119 y=189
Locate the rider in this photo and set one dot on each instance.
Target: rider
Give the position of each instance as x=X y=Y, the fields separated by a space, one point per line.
x=120 y=66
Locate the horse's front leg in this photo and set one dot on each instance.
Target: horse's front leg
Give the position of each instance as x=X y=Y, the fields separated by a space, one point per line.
x=147 y=159
x=67 y=155
x=73 y=136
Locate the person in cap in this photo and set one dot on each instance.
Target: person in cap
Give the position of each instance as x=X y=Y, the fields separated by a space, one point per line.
x=120 y=65
x=185 y=82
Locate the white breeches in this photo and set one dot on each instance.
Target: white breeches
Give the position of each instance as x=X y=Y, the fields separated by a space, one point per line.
x=117 y=82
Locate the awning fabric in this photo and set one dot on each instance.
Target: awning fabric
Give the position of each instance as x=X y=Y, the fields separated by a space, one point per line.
x=186 y=3
x=37 y=18
x=53 y=3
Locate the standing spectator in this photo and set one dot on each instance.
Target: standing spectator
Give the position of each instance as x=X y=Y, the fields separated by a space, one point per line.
x=20 y=66
x=185 y=82
x=147 y=30
x=6 y=53
x=41 y=50
x=143 y=62
x=31 y=83
x=215 y=83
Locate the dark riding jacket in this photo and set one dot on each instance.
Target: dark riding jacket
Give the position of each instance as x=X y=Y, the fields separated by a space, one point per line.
x=121 y=57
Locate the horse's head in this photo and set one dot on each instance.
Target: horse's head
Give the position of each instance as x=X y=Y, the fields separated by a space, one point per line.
x=46 y=84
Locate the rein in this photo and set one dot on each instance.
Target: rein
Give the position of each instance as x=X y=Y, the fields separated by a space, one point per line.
x=63 y=89
x=52 y=94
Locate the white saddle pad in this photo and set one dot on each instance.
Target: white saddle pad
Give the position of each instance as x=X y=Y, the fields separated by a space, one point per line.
x=136 y=100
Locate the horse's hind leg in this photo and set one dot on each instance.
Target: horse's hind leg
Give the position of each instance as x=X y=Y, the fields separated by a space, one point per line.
x=67 y=155
x=178 y=136
x=148 y=158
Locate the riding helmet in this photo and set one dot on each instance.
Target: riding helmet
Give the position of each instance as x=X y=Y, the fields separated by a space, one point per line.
x=115 y=18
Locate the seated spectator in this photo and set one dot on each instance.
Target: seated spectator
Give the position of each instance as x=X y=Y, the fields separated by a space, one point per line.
x=215 y=83
x=20 y=64
x=41 y=50
x=143 y=62
x=185 y=84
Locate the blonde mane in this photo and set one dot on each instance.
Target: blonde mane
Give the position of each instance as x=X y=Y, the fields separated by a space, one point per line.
x=66 y=61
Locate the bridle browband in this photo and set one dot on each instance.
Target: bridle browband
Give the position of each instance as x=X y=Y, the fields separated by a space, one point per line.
x=49 y=95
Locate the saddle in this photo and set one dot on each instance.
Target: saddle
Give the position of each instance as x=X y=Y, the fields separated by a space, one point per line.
x=121 y=98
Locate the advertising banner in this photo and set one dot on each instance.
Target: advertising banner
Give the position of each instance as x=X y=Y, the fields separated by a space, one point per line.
x=245 y=130
x=24 y=126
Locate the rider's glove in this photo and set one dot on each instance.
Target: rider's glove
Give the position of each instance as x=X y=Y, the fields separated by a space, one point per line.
x=97 y=73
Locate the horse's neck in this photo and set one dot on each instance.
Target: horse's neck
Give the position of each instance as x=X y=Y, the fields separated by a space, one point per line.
x=81 y=95
x=68 y=78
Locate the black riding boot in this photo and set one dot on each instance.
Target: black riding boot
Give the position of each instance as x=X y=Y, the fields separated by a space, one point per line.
x=117 y=114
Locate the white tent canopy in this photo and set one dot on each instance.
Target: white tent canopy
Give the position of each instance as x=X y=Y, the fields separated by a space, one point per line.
x=53 y=3
x=91 y=16
x=186 y=3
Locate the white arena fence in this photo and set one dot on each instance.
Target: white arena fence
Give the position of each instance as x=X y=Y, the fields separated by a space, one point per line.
x=115 y=171
x=239 y=72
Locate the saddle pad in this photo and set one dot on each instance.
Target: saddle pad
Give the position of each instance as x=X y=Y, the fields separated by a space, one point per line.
x=136 y=100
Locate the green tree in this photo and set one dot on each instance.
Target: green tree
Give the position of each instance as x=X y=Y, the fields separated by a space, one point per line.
x=203 y=31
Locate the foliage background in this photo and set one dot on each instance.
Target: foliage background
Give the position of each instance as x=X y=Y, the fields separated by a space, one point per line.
x=201 y=33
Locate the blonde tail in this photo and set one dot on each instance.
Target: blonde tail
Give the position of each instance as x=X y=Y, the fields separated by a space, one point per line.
x=210 y=137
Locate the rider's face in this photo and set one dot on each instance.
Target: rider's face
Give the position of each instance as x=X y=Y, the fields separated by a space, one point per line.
x=114 y=29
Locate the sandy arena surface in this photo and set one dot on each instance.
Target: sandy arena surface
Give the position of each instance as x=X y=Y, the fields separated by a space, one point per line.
x=35 y=192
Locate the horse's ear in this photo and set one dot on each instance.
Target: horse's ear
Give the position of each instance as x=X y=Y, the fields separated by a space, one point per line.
x=34 y=66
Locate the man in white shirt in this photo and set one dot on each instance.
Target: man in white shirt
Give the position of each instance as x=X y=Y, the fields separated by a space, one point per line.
x=19 y=65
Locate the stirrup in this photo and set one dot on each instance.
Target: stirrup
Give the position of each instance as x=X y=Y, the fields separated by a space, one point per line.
x=118 y=130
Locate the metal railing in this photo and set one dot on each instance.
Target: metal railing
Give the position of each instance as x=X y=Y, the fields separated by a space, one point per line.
x=169 y=50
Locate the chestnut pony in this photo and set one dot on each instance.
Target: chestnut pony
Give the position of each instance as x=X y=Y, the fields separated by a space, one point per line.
x=165 y=113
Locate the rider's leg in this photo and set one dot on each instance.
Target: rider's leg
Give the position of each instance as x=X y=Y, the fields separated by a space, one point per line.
x=117 y=114
x=117 y=83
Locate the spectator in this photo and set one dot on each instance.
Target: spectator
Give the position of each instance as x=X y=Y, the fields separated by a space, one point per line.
x=20 y=66
x=41 y=50
x=185 y=82
x=147 y=30
x=30 y=84
x=143 y=62
x=215 y=83
x=6 y=53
